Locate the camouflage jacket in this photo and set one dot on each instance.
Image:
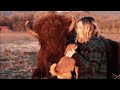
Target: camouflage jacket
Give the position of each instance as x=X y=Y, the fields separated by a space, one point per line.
x=91 y=59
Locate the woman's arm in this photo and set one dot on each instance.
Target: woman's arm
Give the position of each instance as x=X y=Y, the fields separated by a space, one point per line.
x=88 y=63
x=91 y=59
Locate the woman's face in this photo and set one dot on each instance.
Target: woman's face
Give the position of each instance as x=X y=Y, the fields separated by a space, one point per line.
x=83 y=32
x=79 y=29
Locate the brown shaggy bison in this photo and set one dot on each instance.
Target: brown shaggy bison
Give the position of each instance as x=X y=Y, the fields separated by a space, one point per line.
x=54 y=33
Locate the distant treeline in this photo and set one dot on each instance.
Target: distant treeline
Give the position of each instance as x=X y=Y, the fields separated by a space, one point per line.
x=15 y=21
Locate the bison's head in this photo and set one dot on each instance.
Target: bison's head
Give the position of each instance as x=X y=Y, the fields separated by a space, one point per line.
x=51 y=24
x=54 y=33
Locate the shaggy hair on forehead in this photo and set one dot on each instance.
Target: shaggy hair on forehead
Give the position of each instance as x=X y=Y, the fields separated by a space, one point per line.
x=53 y=32
x=53 y=37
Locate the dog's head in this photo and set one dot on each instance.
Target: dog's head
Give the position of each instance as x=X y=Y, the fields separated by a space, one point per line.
x=70 y=47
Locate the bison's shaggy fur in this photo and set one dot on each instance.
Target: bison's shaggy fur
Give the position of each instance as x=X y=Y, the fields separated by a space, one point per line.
x=53 y=37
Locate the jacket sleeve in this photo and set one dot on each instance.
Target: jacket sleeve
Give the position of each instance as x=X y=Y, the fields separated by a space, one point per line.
x=88 y=60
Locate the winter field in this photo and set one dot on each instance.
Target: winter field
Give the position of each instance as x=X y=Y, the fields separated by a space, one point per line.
x=18 y=54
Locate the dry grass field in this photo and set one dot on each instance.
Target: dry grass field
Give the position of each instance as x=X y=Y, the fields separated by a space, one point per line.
x=115 y=37
x=18 y=54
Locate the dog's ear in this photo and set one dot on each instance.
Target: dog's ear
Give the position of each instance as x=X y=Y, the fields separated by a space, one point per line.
x=65 y=52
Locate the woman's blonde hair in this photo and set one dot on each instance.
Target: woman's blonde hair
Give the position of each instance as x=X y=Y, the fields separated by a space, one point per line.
x=89 y=29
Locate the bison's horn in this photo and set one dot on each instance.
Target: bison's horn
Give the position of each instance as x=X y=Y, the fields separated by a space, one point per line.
x=30 y=31
x=73 y=23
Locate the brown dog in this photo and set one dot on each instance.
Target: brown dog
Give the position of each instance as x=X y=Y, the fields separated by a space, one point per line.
x=65 y=66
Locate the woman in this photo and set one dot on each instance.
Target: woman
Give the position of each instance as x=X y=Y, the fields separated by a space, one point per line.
x=90 y=55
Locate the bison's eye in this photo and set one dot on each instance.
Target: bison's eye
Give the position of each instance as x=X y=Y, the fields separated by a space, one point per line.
x=66 y=41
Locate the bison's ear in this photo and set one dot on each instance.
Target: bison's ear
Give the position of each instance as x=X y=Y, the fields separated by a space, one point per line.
x=73 y=24
x=30 y=31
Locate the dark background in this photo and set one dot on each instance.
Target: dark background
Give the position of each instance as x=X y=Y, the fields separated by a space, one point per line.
x=60 y=5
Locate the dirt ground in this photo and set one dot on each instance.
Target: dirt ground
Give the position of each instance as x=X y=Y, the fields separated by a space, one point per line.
x=18 y=54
